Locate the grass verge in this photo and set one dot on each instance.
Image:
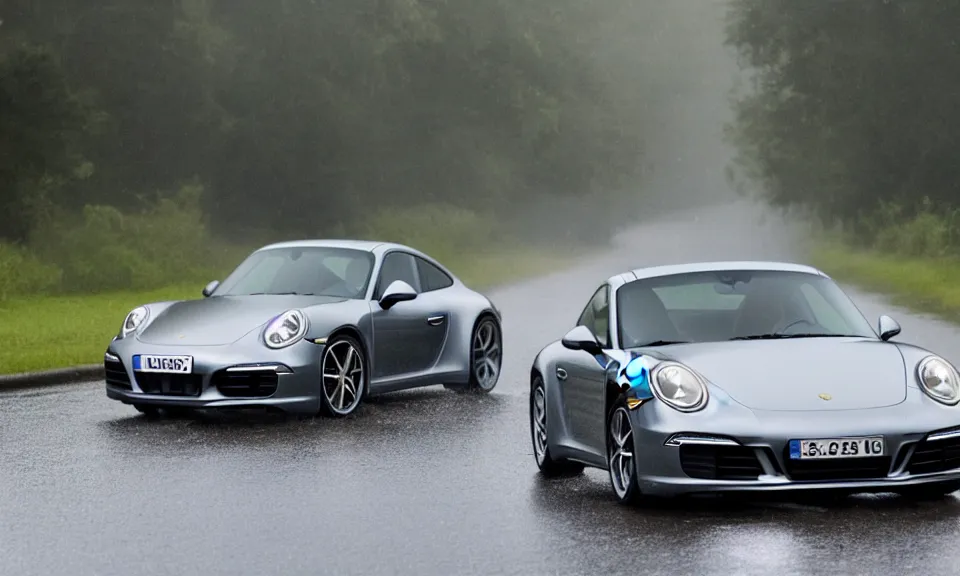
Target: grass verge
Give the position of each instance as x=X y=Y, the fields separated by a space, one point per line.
x=43 y=333
x=923 y=284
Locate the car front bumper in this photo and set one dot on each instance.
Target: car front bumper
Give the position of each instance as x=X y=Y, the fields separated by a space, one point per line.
x=751 y=454
x=229 y=376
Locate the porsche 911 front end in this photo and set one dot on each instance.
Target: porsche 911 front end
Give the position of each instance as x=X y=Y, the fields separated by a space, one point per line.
x=883 y=450
x=240 y=374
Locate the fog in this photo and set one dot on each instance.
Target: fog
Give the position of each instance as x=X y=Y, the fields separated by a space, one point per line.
x=211 y=127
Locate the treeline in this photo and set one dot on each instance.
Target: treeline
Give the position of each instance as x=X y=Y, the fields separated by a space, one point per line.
x=854 y=114
x=303 y=116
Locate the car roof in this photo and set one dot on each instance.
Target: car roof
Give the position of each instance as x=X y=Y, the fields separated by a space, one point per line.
x=718 y=266
x=366 y=245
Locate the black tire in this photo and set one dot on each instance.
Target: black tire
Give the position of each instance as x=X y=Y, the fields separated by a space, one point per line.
x=623 y=478
x=338 y=347
x=549 y=466
x=476 y=383
x=931 y=491
x=148 y=411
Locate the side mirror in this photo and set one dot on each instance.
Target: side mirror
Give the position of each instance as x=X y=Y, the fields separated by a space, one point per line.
x=209 y=288
x=582 y=338
x=397 y=291
x=888 y=327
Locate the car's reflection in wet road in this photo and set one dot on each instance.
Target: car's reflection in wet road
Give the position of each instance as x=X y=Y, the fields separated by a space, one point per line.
x=425 y=482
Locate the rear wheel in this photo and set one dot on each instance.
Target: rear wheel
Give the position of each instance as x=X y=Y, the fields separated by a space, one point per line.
x=343 y=377
x=485 y=357
x=549 y=466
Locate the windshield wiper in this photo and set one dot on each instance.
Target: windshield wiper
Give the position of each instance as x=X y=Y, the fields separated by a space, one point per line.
x=801 y=335
x=661 y=343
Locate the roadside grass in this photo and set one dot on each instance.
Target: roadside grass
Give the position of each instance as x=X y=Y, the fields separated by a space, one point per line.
x=48 y=332
x=925 y=284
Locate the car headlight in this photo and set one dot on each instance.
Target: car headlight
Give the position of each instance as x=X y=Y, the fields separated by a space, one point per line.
x=679 y=387
x=133 y=321
x=939 y=379
x=285 y=329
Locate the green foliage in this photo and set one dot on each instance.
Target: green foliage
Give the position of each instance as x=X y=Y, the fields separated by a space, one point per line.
x=850 y=105
x=299 y=115
x=22 y=273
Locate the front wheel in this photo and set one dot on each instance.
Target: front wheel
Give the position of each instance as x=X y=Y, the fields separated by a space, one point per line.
x=538 y=428
x=343 y=377
x=621 y=459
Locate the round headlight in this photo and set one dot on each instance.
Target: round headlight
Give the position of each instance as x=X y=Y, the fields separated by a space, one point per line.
x=939 y=380
x=285 y=329
x=133 y=321
x=678 y=387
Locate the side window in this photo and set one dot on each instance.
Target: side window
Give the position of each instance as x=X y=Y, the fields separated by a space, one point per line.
x=398 y=266
x=431 y=277
x=596 y=316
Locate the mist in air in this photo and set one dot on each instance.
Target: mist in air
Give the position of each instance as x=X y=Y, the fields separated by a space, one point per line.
x=213 y=125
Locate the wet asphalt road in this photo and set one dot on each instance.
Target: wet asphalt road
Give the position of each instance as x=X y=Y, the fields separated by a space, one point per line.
x=424 y=482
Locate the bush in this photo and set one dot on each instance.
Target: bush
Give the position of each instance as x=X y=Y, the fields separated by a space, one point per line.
x=445 y=232
x=23 y=273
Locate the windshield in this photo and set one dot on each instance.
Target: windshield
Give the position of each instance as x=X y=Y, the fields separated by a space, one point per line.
x=320 y=271
x=712 y=306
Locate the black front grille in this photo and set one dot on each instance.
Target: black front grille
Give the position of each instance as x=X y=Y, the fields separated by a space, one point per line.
x=253 y=384
x=936 y=456
x=838 y=469
x=116 y=375
x=719 y=462
x=170 y=384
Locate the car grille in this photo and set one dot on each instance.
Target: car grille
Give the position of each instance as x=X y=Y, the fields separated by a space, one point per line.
x=720 y=462
x=253 y=384
x=936 y=456
x=115 y=374
x=170 y=384
x=838 y=469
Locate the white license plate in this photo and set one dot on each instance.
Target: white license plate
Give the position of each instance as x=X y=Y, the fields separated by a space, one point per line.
x=163 y=364
x=827 y=448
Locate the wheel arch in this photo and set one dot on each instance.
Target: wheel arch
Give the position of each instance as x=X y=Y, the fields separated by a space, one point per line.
x=354 y=332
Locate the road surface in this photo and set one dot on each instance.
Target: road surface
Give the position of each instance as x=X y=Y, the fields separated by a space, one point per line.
x=421 y=483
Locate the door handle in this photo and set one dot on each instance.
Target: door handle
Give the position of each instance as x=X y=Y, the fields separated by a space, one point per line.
x=435 y=320
x=561 y=374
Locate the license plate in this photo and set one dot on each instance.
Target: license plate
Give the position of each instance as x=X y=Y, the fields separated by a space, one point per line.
x=163 y=364
x=826 y=448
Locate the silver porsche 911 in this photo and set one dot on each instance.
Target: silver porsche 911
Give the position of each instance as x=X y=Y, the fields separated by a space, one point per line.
x=743 y=376
x=308 y=327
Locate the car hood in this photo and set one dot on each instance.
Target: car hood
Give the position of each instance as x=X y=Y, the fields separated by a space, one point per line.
x=854 y=373
x=221 y=319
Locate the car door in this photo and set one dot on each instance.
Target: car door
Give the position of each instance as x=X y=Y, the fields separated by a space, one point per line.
x=405 y=337
x=582 y=378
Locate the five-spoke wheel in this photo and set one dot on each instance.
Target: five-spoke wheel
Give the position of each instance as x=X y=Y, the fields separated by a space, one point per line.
x=486 y=355
x=620 y=455
x=343 y=376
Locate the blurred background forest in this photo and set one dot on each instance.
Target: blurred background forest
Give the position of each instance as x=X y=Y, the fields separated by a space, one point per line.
x=146 y=142
x=852 y=115
x=138 y=138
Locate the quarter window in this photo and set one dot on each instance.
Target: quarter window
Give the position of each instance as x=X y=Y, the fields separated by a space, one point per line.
x=596 y=316
x=432 y=277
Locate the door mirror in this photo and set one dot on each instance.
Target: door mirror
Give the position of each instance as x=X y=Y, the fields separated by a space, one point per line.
x=397 y=291
x=887 y=327
x=209 y=288
x=582 y=338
